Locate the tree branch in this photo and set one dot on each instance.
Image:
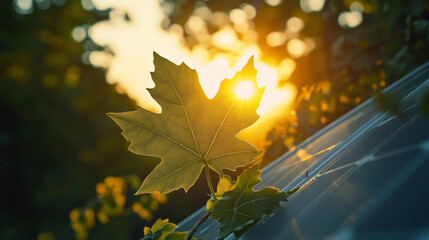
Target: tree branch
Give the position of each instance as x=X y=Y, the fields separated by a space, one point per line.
x=195 y=227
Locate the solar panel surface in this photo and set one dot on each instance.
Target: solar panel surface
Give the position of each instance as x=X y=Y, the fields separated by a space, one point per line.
x=365 y=176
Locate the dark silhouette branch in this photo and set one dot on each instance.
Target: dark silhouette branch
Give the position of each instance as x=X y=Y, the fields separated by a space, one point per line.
x=195 y=227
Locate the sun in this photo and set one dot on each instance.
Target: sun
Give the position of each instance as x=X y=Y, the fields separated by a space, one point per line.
x=244 y=90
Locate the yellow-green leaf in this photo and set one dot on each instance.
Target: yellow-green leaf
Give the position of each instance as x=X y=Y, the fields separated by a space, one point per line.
x=242 y=206
x=225 y=184
x=192 y=131
x=159 y=230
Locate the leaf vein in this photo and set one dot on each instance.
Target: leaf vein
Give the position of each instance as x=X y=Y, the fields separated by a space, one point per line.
x=220 y=126
x=184 y=109
x=161 y=134
x=173 y=172
x=226 y=154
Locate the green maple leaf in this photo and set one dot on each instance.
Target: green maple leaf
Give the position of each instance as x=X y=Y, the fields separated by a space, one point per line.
x=192 y=131
x=163 y=230
x=242 y=206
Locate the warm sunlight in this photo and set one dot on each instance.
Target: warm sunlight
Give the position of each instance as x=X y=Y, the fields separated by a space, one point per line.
x=244 y=90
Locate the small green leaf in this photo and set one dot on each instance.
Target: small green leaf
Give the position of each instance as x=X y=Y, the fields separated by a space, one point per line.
x=225 y=184
x=146 y=231
x=160 y=224
x=243 y=206
x=163 y=230
x=159 y=230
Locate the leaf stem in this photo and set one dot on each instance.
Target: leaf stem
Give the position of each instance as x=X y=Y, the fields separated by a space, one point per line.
x=195 y=227
x=209 y=182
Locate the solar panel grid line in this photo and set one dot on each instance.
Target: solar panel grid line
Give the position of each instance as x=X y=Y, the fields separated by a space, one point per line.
x=343 y=148
x=355 y=165
x=416 y=91
x=286 y=171
x=384 y=119
x=372 y=157
x=374 y=203
x=371 y=151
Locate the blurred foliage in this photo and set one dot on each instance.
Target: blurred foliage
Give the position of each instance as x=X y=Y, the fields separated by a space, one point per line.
x=111 y=202
x=56 y=143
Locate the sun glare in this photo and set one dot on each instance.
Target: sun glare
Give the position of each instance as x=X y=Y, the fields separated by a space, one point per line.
x=244 y=90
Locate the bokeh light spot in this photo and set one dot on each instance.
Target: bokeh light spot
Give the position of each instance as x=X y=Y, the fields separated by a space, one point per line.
x=312 y=5
x=295 y=24
x=296 y=48
x=23 y=6
x=237 y=16
x=356 y=7
x=88 y=5
x=273 y=3
x=79 y=33
x=249 y=10
x=195 y=24
x=276 y=39
x=350 y=19
x=286 y=68
x=225 y=38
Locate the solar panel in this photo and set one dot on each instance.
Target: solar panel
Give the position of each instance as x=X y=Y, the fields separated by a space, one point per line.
x=362 y=177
